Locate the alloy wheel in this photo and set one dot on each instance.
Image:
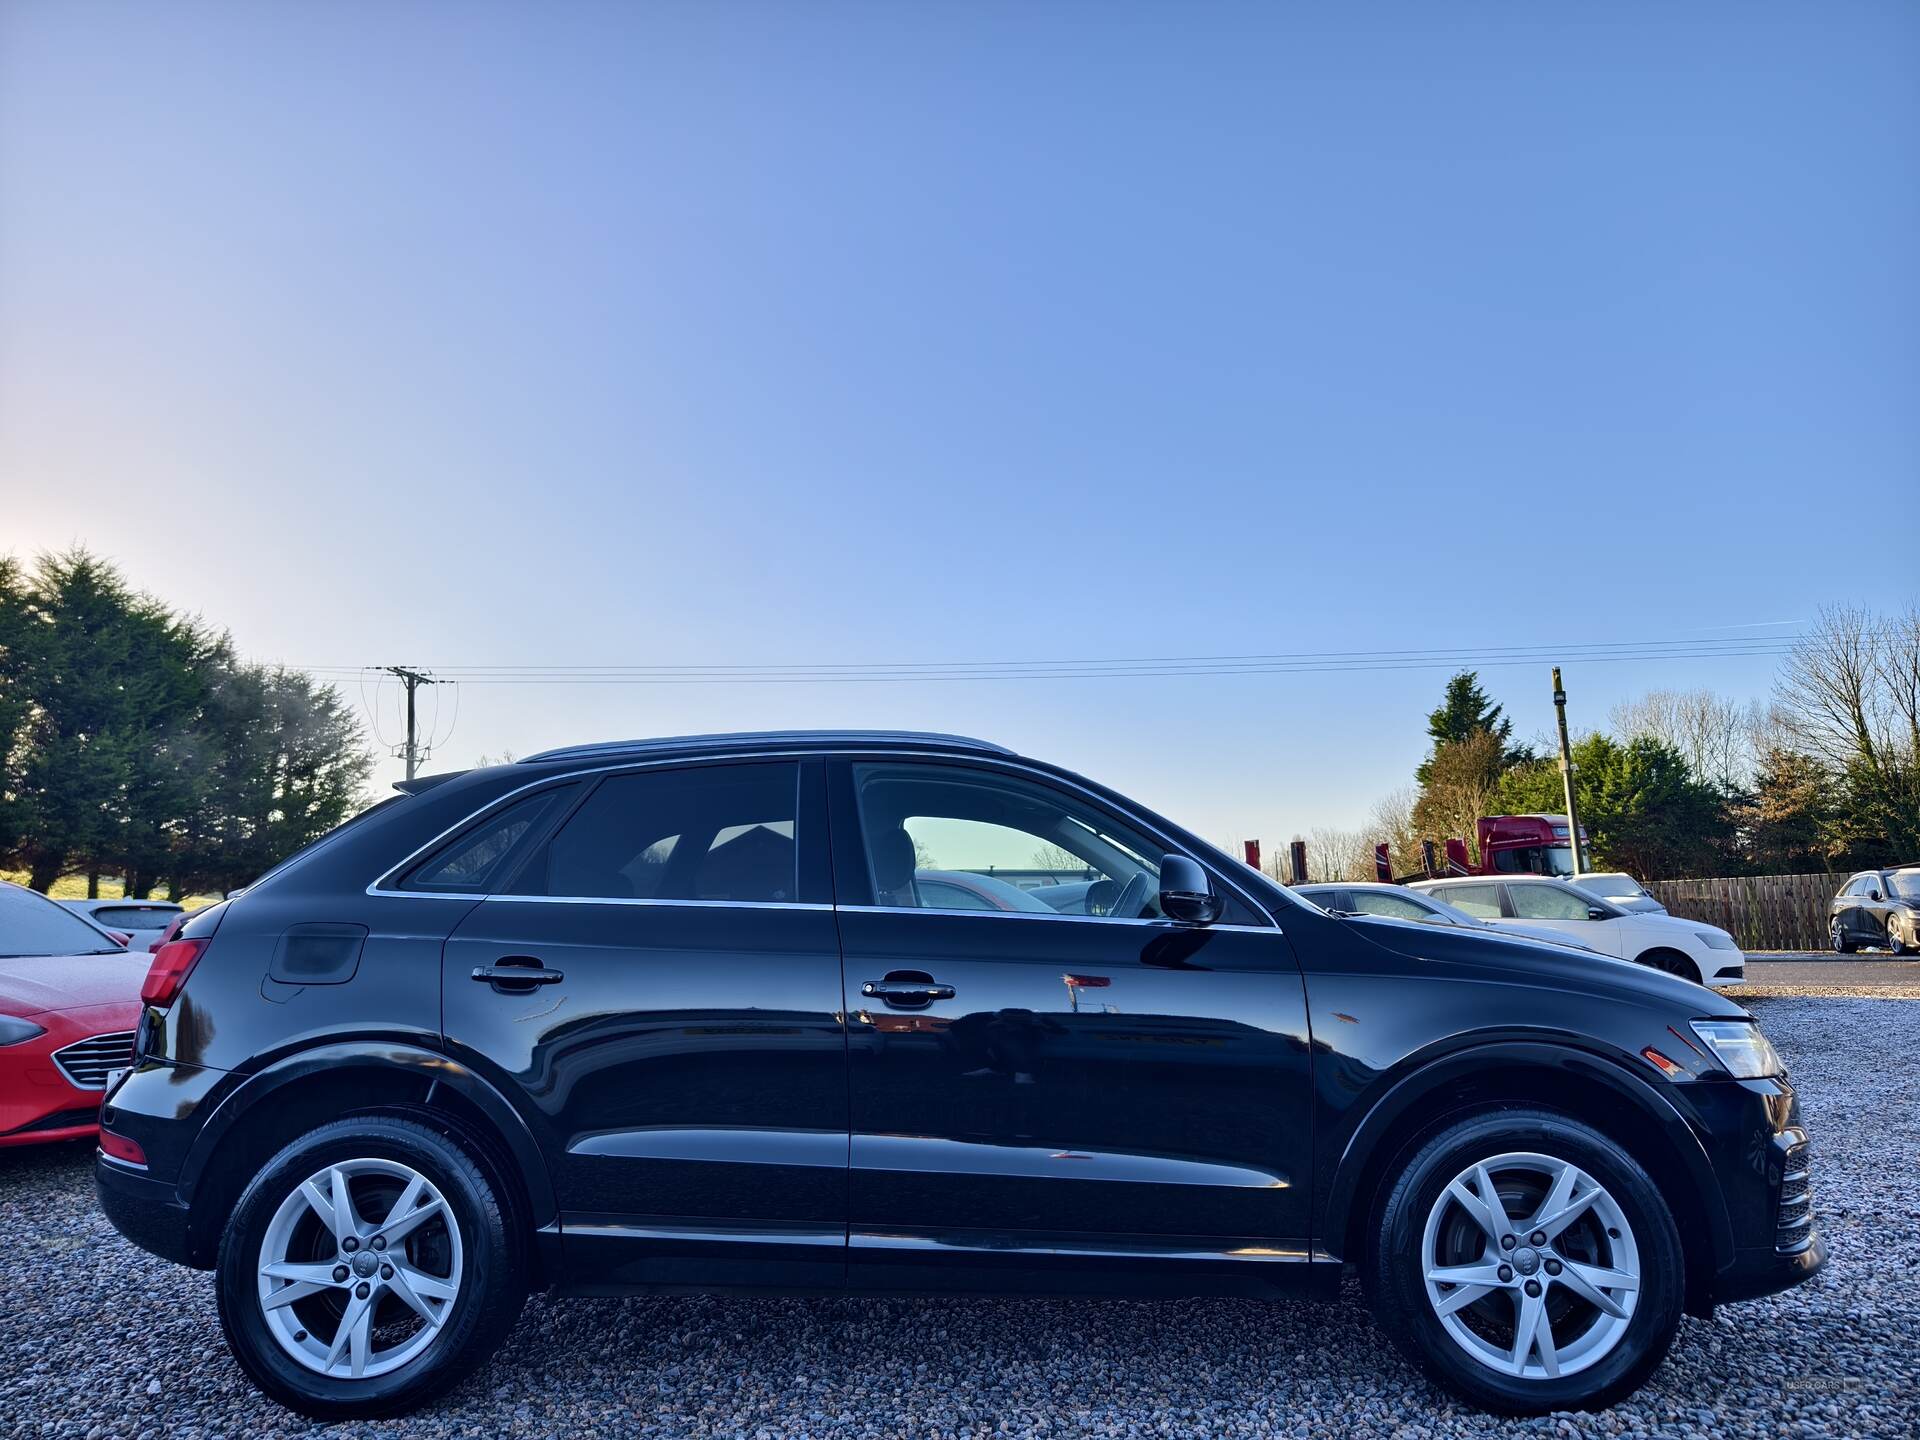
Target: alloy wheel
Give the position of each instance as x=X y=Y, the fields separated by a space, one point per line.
x=1530 y=1266
x=352 y=1296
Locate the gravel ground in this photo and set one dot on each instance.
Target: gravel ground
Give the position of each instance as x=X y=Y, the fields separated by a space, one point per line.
x=96 y=1340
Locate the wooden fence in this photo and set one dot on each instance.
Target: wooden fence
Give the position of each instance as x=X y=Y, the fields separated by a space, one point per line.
x=1763 y=912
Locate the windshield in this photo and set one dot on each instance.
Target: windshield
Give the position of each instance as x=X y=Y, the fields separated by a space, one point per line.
x=31 y=924
x=1613 y=887
x=1905 y=884
x=1559 y=859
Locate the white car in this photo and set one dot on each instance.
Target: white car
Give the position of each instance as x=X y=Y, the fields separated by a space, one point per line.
x=1619 y=888
x=1397 y=902
x=1703 y=953
x=141 y=921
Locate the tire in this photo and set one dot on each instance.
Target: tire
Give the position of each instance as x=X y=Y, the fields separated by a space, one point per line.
x=456 y=1239
x=1837 y=934
x=1894 y=943
x=1674 y=963
x=1628 y=1229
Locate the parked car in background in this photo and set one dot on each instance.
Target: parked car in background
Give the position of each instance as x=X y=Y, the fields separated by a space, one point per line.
x=967 y=890
x=1705 y=954
x=1877 y=907
x=680 y=1014
x=1621 y=889
x=141 y=921
x=1399 y=902
x=69 y=1002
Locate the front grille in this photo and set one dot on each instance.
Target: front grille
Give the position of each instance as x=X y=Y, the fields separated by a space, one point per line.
x=87 y=1063
x=1794 y=1225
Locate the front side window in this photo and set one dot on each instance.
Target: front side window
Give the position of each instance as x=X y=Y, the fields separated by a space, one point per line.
x=712 y=833
x=1548 y=902
x=1397 y=907
x=921 y=818
x=1480 y=901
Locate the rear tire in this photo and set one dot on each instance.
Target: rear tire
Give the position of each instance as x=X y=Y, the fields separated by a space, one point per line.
x=1467 y=1336
x=340 y=1319
x=1838 y=936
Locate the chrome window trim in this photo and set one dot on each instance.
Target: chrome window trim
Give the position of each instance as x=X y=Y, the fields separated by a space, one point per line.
x=1159 y=922
x=640 y=900
x=983 y=760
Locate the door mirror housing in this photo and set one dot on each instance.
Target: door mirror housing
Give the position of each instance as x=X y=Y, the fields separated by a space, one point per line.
x=1594 y=912
x=1873 y=894
x=1185 y=894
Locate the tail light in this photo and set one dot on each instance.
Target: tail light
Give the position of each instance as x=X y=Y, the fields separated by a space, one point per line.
x=172 y=963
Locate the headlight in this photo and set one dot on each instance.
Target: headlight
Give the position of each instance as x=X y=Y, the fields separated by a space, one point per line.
x=13 y=1030
x=1717 y=939
x=1739 y=1045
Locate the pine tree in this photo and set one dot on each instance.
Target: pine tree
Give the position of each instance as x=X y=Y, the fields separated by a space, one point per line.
x=1466 y=711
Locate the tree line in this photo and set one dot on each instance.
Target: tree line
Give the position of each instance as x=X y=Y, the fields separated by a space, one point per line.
x=134 y=742
x=1823 y=776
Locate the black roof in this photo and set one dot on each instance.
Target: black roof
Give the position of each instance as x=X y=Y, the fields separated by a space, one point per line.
x=768 y=739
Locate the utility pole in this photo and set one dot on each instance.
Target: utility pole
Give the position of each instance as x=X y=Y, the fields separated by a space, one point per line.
x=1566 y=774
x=414 y=679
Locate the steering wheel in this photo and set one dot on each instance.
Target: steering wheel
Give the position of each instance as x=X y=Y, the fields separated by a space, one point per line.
x=1132 y=898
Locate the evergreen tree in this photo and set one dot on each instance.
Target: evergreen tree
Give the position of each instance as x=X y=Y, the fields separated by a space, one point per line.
x=1467 y=710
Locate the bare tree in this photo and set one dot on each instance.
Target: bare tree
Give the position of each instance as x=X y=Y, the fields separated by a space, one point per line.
x=1392 y=821
x=1459 y=788
x=1719 y=737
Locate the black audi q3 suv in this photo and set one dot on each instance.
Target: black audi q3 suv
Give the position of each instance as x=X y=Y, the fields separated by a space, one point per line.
x=711 y=1013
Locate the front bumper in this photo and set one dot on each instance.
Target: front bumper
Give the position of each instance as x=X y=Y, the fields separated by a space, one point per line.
x=1765 y=1271
x=39 y=1103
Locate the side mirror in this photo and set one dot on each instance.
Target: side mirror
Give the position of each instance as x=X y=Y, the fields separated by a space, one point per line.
x=1594 y=912
x=1873 y=894
x=1185 y=894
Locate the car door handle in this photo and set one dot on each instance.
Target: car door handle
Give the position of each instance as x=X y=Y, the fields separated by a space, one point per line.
x=907 y=991
x=517 y=974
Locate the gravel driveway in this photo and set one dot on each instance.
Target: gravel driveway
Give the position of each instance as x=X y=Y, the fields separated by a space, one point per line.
x=97 y=1340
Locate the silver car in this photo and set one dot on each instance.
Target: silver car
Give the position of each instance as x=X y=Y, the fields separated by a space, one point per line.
x=1397 y=902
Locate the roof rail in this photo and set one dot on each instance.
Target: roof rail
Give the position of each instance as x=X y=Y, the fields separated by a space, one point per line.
x=757 y=740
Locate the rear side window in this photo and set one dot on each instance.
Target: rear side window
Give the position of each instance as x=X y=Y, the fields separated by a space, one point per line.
x=1480 y=901
x=481 y=858
x=1548 y=902
x=716 y=832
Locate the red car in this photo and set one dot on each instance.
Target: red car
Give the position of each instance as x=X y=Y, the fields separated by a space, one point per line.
x=69 y=1001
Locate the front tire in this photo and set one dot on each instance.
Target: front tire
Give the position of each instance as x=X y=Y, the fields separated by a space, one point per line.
x=1674 y=963
x=1895 y=942
x=366 y=1269
x=1527 y=1263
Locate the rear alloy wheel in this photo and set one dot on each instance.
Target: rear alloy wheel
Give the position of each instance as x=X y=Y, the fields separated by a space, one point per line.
x=366 y=1269
x=1527 y=1263
x=1838 y=935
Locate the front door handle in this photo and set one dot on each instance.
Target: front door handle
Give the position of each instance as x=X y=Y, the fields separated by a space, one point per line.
x=517 y=975
x=907 y=990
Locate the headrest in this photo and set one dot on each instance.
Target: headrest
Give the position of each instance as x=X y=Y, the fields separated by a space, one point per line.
x=892 y=860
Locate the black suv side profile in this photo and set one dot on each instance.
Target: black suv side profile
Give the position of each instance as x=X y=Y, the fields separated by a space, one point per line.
x=678 y=1014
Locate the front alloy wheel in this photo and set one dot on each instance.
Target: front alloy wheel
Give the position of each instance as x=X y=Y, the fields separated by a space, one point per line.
x=1896 y=942
x=1526 y=1261
x=1531 y=1265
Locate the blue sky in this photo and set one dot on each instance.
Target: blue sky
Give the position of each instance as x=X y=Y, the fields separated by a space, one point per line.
x=764 y=333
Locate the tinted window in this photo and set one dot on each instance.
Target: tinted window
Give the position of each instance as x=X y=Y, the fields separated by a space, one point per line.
x=1480 y=901
x=1384 y=902
x=31 y=924
x=940 y=817
x=478 y=860
x=136 y=917
x=1548 y=902
x=721 y=832
x=944 y=895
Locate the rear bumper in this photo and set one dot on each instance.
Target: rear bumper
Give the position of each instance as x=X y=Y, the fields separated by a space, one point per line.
x=146 y=1211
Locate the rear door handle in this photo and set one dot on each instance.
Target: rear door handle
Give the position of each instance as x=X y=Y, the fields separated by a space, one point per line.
x=907 y=992
x=516 y=974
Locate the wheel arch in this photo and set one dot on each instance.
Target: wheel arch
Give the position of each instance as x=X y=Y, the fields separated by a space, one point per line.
x=1588 y=1088
x=311 y=1087
x=1646 y=957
